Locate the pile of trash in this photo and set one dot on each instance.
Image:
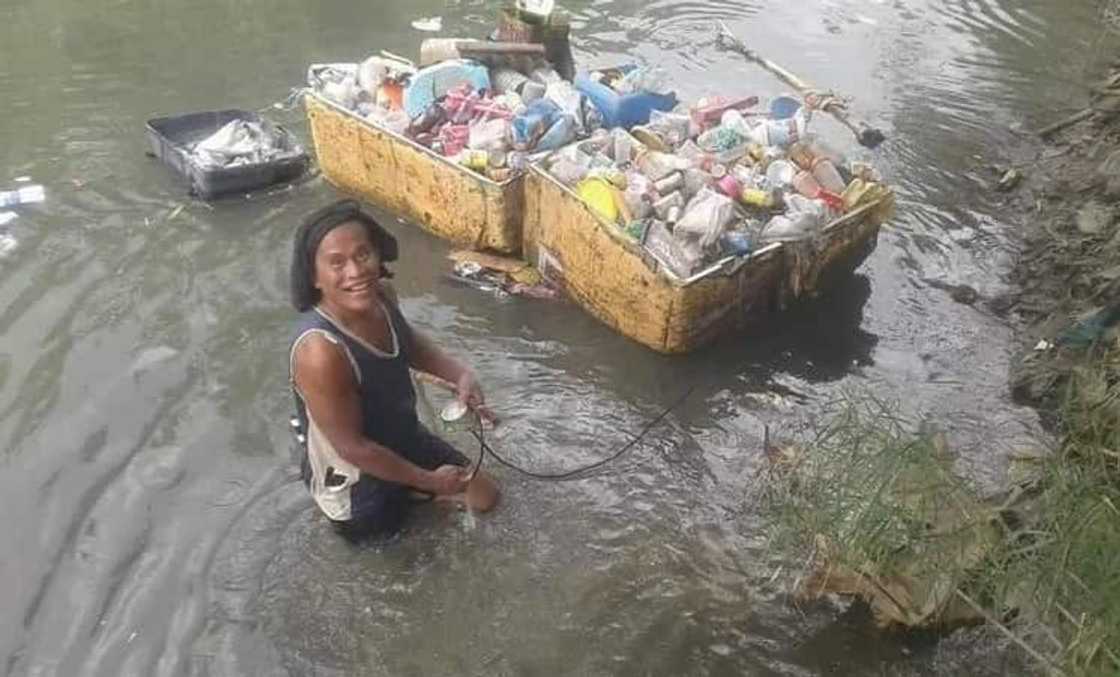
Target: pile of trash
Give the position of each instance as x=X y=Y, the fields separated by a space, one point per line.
x=715 y=179
x=494 y=107
x=493 y=119
x=238 y=142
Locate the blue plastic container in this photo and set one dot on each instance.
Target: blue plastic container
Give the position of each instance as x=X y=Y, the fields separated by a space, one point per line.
x=627 y=110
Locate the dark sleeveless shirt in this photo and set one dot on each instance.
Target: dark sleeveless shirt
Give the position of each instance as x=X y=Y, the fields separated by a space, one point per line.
x=388 y=398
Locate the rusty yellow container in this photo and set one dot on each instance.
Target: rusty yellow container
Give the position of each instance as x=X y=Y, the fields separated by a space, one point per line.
x=393 y=172
x=615 y=280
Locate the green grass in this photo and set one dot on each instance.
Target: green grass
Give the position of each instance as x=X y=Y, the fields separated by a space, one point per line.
x=873 y=506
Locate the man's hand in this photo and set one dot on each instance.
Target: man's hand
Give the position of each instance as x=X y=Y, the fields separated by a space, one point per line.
x=447 y=480
x=469 y=393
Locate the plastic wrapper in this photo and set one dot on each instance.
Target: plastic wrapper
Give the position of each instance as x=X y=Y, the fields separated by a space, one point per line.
x=679 y=258
x=705 y=218
x=568 y=171
x=237 y=142
x=644 y=79
x=673 y=127
x=803 y=218
x=489 y=135
x=564 y=95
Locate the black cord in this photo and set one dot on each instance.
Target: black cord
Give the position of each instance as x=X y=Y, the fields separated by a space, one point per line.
x=484 y=448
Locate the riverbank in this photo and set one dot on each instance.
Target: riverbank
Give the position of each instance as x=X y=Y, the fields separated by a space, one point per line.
x=1069 y=367
x=876 y=507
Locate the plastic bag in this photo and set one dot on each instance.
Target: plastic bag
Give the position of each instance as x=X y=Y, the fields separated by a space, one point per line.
x=673 y=127
x=343 y=92
x=802 y=219
x=489 y=135
x=237 y=142
x=644 y=79
x=705 y=218
x=677 y=257
x=564 y=95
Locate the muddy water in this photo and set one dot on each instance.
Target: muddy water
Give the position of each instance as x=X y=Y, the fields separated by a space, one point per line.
x=152 y=523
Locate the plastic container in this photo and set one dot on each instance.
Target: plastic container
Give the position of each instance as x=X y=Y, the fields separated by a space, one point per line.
x=784 y=107
x=730 y=186
x=620 y=110
x=428 y=84
x=171 y=139
x=781 y=173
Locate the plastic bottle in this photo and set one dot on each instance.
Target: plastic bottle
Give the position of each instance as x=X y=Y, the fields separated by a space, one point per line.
x=827 y=176
x=806 y=184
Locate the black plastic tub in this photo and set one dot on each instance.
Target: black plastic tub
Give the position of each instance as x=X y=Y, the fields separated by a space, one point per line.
x=172 y=139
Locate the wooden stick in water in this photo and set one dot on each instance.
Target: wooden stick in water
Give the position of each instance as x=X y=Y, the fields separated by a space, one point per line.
x=866 y=135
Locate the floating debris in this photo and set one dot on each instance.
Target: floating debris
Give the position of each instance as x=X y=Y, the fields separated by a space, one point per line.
x=8 y=244
x=430 y=24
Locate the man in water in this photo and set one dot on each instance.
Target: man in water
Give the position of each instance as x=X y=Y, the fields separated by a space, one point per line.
x=366 y=456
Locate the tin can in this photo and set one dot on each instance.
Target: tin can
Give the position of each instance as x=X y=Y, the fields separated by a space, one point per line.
x=663 y=206
x=669 y=184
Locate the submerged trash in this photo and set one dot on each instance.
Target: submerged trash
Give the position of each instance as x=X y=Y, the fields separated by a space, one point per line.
x=430 y=24
x=1091 y=328
x=239 y=142
x=7 y=217
x=500 y=274
x=227 y=151
x=22 y=196
x=1010 y=179
x=8 y=244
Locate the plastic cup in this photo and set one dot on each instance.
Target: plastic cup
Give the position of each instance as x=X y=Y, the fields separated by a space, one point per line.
x=730 y=186
x=781 y=172
x=806 y=184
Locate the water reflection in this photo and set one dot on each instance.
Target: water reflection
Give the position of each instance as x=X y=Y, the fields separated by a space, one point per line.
x=154 y=524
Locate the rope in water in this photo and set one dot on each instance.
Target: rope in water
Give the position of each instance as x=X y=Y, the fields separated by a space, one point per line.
x=484 y=448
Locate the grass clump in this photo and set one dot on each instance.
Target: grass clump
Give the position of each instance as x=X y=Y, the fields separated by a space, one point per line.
x=872 y=505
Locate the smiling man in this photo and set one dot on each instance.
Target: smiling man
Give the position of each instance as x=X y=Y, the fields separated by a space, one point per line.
x=366 y=456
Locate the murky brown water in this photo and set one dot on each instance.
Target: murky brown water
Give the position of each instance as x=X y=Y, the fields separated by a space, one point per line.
x=152 y=523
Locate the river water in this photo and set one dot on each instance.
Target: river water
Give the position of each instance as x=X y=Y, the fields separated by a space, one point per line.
x=153 y=523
